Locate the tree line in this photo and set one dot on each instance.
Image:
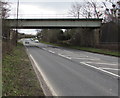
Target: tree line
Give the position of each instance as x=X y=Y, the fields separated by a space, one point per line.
x=79 y=36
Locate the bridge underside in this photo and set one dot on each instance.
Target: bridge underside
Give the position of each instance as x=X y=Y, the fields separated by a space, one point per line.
x=54 y=23
x=48 y=27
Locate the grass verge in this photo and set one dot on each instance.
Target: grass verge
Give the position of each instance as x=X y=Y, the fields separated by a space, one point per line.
x=96 y=50
x=18 y=76
x=88 y=49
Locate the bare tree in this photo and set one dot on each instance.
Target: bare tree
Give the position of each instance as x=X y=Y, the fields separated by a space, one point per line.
x=87 y=9
x=118 y=12
x=94 y=8
x=76 y=9
x=111 y=14
x=4 y=9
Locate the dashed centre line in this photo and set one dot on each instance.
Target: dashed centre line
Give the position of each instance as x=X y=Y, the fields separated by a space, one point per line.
x=64 y=56
x=51 y=51
x=44 y=49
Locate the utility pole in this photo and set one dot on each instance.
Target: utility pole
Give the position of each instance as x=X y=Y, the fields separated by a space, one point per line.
x=17 y=22
x=78 y=14
x=17 y=8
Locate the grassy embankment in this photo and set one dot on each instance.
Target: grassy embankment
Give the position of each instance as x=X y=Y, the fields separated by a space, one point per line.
x=89 y=49
x=18 y=75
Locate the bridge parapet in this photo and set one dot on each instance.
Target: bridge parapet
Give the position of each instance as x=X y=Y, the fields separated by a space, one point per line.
x=54 y=23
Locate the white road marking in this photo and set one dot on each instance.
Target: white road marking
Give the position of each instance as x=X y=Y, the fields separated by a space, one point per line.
x=72 y=53
x=109 y=68
x=78 y=56
x=44 y=77
x=68 y=51
x=44 y=49
x=100 y=69
x=102 y=63
x=64 y=56
x=48 y=50
x=51 y=51
x=86 y=58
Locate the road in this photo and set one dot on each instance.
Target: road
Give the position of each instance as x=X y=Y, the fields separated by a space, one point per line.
x=70 y=72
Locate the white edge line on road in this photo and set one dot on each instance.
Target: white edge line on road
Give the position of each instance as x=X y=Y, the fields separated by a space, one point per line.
x=64 y=56
x=100 y=69
x=109 y=68
x=44 y=77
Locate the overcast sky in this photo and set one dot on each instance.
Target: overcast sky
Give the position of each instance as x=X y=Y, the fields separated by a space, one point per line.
x=40 y=9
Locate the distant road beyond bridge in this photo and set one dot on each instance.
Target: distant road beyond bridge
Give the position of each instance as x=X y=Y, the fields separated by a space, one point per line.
x=54 y=23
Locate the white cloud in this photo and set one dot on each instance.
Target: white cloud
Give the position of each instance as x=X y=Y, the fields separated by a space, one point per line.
x=40 y=10
x=32 y=11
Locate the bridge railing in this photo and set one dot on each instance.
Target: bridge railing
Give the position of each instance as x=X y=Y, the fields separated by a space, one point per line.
x=24 y=16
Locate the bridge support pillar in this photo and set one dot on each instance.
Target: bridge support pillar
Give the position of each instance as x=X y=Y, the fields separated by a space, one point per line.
x=96 y=36
x=85 y=37
x=90 y=37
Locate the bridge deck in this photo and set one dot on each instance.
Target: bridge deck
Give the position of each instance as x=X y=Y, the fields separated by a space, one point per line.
x=54 y=23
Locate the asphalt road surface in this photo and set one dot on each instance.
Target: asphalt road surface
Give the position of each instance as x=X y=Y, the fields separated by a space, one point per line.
x=70 y=72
